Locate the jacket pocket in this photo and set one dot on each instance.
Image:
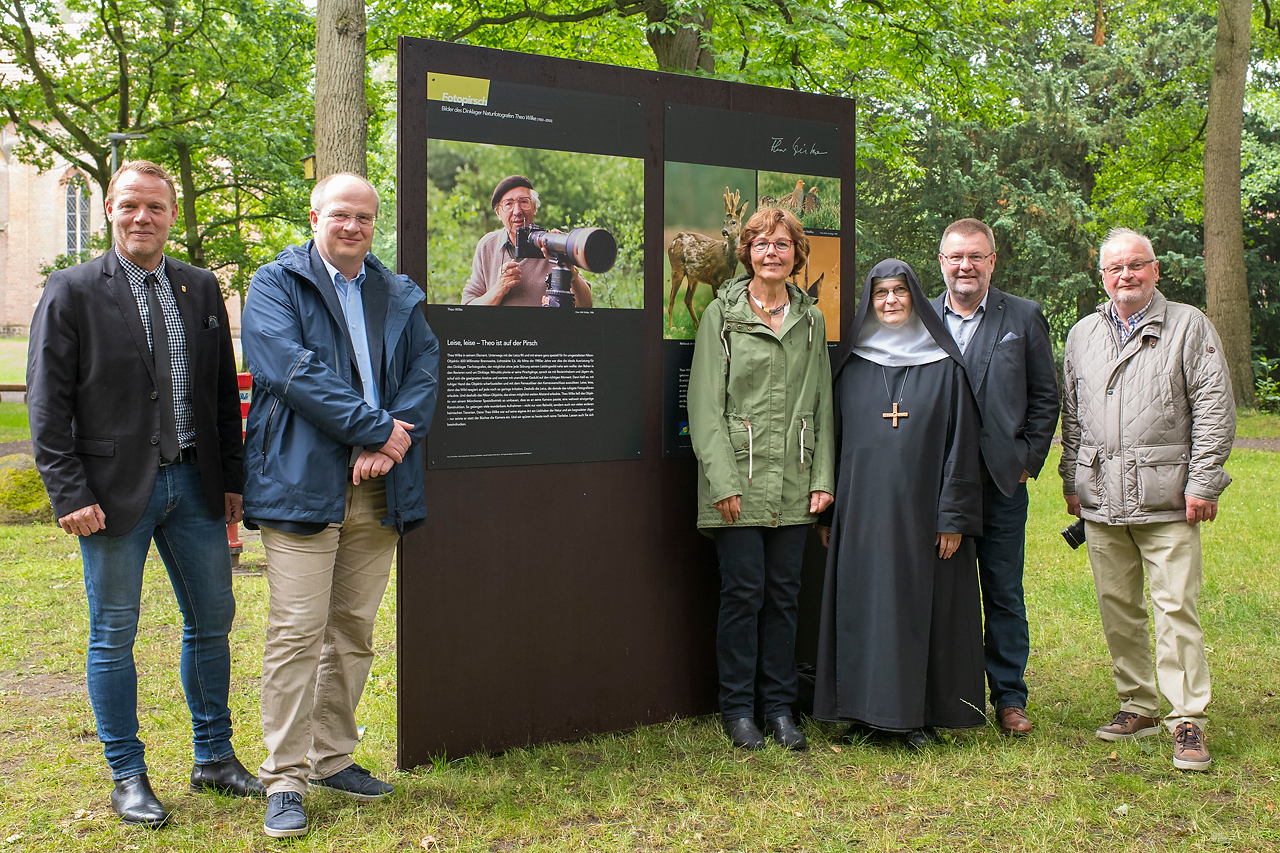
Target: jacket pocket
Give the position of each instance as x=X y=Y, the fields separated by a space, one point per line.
x=94 y=446
x=1088 y=476
x=1162 y=477
x=742 y=440
x=804 y=436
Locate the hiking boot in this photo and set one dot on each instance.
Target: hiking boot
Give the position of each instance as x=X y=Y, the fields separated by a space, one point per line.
x=1126 y=725
x=1189 y=751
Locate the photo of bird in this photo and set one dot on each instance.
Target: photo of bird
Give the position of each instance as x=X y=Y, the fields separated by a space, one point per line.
x=810 y=203
x=793 y=199
x=766 y=201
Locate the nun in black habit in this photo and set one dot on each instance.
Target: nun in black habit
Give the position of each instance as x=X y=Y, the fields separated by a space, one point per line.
x=900 y=638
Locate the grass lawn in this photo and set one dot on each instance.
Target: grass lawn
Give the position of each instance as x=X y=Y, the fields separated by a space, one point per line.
x=679 y=786
x=13 y=361
x=1250 y=423
x=13 y=422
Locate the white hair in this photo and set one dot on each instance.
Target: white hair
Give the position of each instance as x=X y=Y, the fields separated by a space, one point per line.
x=1115 y=235
x=320 y=191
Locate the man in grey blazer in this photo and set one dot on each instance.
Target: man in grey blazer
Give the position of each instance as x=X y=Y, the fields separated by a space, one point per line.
x=1005 y=342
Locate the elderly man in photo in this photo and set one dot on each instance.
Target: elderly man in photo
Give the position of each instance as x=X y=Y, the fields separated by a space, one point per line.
x=497 y=277
x=1148 y=420
x=135 y=418
x=344 y=376
x=1009 y=361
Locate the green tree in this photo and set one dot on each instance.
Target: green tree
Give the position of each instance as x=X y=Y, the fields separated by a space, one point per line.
x=217 y=88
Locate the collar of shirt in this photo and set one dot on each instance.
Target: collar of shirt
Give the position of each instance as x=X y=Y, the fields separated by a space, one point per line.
x=981 y=309
x=137 y=275
x=341 y=283
x=1126 y=327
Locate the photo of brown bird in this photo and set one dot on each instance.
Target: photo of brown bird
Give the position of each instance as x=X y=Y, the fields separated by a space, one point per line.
x=793 y=199
x=766 y=201
x=810 y=200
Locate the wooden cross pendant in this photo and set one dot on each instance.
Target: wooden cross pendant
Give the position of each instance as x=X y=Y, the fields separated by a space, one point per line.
x=895 y=414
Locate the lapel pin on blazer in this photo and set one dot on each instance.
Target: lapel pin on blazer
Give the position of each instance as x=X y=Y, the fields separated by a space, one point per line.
x=184 y=288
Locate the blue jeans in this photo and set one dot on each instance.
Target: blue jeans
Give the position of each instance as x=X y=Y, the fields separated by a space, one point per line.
x=193 y=544
x=1002 y=551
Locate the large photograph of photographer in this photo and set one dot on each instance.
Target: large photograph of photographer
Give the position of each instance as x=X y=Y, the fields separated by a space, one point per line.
x=526 y=227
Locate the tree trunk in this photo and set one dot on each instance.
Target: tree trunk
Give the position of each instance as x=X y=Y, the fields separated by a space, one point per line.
x=679 y=49
x=342 y=119
x=191 y=238
x=1226 y=285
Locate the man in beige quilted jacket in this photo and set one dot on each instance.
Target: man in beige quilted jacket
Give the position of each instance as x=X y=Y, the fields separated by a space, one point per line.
x=1148 y=419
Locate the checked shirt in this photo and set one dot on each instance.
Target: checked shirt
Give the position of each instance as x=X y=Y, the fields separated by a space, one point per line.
x=177 y=341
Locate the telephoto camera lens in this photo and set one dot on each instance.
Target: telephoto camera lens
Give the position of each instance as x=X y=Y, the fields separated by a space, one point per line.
x=1075 y=534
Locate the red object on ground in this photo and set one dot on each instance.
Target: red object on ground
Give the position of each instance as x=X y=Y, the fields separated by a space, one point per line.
x=245 y=381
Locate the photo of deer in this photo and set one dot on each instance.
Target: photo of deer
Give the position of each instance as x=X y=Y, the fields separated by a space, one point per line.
x=703 y=213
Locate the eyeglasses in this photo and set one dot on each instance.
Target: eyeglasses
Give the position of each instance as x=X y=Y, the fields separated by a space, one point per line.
x=342 y=218
x=901 y=291
x=762 y=246
x=974 y=260
x=1134 y=267
x=507 y=205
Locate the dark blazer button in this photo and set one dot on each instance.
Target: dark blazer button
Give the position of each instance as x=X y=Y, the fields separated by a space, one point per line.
x=155 y=440
x=154 y=395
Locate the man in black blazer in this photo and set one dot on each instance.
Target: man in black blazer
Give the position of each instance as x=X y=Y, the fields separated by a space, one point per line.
x=1005 y=341
x=135 y=418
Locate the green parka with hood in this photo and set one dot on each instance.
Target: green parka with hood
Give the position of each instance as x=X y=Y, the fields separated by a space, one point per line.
x=760 y=410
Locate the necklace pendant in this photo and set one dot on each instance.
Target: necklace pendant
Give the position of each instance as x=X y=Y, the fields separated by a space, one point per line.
x=895 y=414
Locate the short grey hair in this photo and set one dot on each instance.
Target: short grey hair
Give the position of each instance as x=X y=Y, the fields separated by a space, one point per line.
x=966 y=228
x=321 y=189
x=1115 y=235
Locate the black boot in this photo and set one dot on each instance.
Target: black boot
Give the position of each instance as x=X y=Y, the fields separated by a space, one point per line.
x=786 y=733
x=135 y=802
x=227 y=777
x=744 y=733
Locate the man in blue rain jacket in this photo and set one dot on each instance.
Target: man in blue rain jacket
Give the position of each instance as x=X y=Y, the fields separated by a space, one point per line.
x=344 y=386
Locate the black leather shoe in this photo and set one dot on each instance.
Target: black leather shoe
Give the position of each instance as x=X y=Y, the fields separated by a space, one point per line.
x=135 y=802
x=784 y=731
x=226 y=777
x=861 y=733
x=918 y=739
x=744 y=733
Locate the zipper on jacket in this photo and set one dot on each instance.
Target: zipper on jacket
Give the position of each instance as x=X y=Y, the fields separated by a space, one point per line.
x=728 y=358
x=750 y=452
x=266 y=432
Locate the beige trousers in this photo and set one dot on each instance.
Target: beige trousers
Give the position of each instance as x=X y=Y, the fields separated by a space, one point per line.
x=1170 y=553
x=325 y=592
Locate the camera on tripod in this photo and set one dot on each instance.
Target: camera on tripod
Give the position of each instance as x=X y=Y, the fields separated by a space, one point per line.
x=593 y=249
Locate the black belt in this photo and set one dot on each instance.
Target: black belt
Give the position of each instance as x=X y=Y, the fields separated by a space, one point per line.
x=185 y=454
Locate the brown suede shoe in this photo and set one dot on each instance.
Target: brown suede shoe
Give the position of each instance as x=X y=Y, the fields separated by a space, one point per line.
x=1126 y=725
x=1014 y=721
x=1189 y=751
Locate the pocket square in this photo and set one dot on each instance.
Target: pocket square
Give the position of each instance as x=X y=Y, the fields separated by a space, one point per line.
x=212 y=322
x=1012 y=336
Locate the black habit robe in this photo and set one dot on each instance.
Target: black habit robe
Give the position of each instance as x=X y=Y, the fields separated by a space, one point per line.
x=900 y=637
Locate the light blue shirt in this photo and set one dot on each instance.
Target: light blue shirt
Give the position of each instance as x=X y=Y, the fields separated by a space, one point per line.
x=353 y=308
x=964 y=328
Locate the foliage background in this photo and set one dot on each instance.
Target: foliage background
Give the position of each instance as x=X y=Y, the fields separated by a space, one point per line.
x=577 y=191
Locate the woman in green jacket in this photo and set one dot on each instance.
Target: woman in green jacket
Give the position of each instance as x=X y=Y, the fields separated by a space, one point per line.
x=760 y=419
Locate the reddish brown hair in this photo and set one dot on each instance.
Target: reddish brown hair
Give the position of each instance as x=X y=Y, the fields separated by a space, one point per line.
x=765 y=221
